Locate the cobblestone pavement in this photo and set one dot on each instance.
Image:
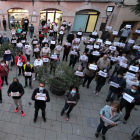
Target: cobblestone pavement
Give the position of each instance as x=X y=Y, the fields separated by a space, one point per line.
x=83 y=119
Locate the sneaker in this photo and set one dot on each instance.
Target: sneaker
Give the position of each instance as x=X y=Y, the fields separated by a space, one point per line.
x=44 y=119
x=97 y=93
x=96 y=135
x=67 y=117
x=31 y=87
x=124 y=121
x=107 y=100
x=16 y=109
x=34 y=120
x=34 y=79
x=62 y=113
x=22 y=113
x=103 y=137
x=94 y=92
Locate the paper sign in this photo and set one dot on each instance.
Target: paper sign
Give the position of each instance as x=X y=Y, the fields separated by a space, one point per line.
x=83 y=57
x=124 y=65
x=136 y=47
x=109 y=27
x=41 y=96
x=45 y=60
x=45 y=40
x=53 y=23
x=131 y=41
x=92 y=39
x=79 y=33
x=73 y=52
x=90 y=47
x=103 y=74
x=128 y=26
x=22 y=41
x=96 y=46
x=59 y=48
x=116 y=43
x=122 y=44
x=128 y=98
x=19 y=63
x=121 y=59
x=93 y=67
x=14 y=93
x=130 y=75
x=115 y=33
x=77 y=39
x=75 y=47
x=96 y=53
x=26 y=21
x=28 y=73
x=13 y=33
x=26 y=46
x=38 y=63
x=84 y=38
x=108 y=42
x=79 y=73
x=52 y=42
x=113 y=59
x=36 y=50
x=100 y=40
x=45 y=50
x=54 y=56
x=64 y=23
x=112 y=48
x=14 y=41
x=69 y=24
x=137 y=31
x=24 y=33
x=133 y=68
x=108 y=121
x=7 y=52
x=63 y=28
x=113 y=84
x=35 y=42
x=94 y=33
x=61 y=32
x=51 y=31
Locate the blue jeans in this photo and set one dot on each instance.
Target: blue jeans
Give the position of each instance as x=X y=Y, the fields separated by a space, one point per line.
x=31 y=34
x=113 y=97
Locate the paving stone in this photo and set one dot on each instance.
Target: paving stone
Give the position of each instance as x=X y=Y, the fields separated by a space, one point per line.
x=89 y=131
x=5 y=99
x=111 y=135
x=99 y=100
x=49 y=106
x=21 y=138
x=8 y=127
x=76 y=111
x=88 y=105
x=97 y=106
x=75 y=137
x=2 y=135
x=26 y=120
x=80 y=103
x=57 y=107
x=7 y=116
x=50 y=135
x=92 y=122
x=77 y=130
x=6 y=107
x=1 y=125
x=62 y=136
x=125 y=128
x=51 y=115
x=10 y=137
x=66 y=128
x=18 y=129
x=31 y=112
x=28 y=131
x=90 y=99
x=82 y=120
x=61 y=118
x=46 y=125
x=56 y=126
x=39 y=133
x=123 y=136
x=16 y=118
x=136 y=120
x=94 y=113
x=85 y=112
x=38 y=122
x=1 y=114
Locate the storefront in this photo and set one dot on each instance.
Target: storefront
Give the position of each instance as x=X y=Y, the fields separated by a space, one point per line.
x=18 y=14
x=86 y=20
x=53 y=15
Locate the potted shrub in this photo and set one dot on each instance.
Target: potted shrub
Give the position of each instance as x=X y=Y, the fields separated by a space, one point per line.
x=60 y=81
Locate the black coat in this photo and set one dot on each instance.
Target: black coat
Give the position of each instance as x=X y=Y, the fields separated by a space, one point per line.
x=16 y=88
x=70 y=37
x=43 y=22
x=105 y=35
x=40 y=103
x=136 y=98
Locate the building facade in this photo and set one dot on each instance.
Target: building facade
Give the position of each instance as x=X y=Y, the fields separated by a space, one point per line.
x=88 y=15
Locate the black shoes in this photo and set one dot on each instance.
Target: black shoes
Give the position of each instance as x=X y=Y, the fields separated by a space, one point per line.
x=107 y=100
x=44 y=119
x=34 y=120
x=62 y=113
x=103 y=137
x=96 y=135
x=0 y=101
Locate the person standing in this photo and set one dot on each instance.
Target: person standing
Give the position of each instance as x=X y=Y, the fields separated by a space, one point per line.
x=105 y=35
x=133 y=92
x=67 y=48
x=125 y=33
x=55 y=29
x=4 y=39
x=60 y=37
x=43 y=22
x=1 y=38
x=112 y=113
x=28 y=70
x=13 y=88
x=4 y=24
x=31 y=31
x=4 y=71
x=68 y=27
x=22 y=23
x=0 y=91
x=34 y=43
x=40 y=104
x=26 y=22
x=72 y=97
x=70 y=37
x=45 y=29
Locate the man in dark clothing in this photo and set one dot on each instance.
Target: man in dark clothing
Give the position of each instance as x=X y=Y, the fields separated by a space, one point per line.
x=67 y=47
x=129 y=106
x=118 y=79
x=31 y=31
x=105 y=35
x=43 y=22
x=26 y=22
x=40 y=96
x=16 y=91
x=4 y=24
x=70 y=37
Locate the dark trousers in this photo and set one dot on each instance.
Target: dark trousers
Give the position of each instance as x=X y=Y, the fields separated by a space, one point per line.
x=36 y=112
x=87 y=78
x=115 y=70
x=122 y=39
x=21 y=69
x=55 y=34
x=30 y=80
x=99 y=85
x=102 y=127
x=28 y=57
x=4 y=27
x=72 y=63
x=112 y=95
x=65 y=55
x=67 y=106
x=0 y=95
x=26 y=27
x=60 y=40
x=4 y=78
x=127 y=111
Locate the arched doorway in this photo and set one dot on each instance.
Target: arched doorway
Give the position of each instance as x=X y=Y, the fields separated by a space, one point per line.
x=18 y=14
x=85 y=19
x=52 y=14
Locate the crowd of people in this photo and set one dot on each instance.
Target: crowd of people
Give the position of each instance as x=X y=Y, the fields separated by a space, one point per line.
x=100 y=55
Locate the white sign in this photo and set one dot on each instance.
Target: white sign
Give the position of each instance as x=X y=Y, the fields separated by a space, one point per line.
x=84 y=38
x=131 y=41
x=35 y=42
x=122 y=44
x=121 y=59
x=100 y=40
x=26 y=46
x=75 y=47
x=115 y=33
x=51 y=31
x=19 y=63
x=116 y=43
x=36 y=50
x=41 y=96
x=14 y=41
x=133 y=68
x=94 y=33
x=124 y=65
x=128 y=97
x=96 y=53
x=28 y=73
x=63 y=28
x=128 y=26
x=24 y=32
x=64 y=23
x=130 y=75
x=22 y=41
x=136 y=47
x=52 y=42
x=83 y=57
x=45 y=60
x=79 y=33
x=108 y=121
x=93 y=67
x=90 y=47
x=96 y=46
x=14 y=93
x=79 y=73
x=45 y=51
x=113 y=84
x=137 y=31
x=112 y=48
x=26 y=21
x=7 y=52
x=114 y=59
x=77 y=39
x=92 y=39
x=54 y=56
x=59 y=48
x=103 y=74
x=108 y=42
x=109 y=27
x=53 y=23
x=69 y=24
x=61 y=32
x=73 y=52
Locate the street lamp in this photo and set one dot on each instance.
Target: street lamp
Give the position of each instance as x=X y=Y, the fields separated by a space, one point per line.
x=109 y=11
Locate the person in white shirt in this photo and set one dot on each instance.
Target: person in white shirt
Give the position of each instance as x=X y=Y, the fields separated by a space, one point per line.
x=19 y=46
x=45 y=50
x=58 y=49
x=55 y=28
x=28 y=51
x=37 y=63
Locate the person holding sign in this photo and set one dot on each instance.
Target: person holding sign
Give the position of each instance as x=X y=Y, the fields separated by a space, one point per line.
x=110 y=116
x=79 y=33
x=45 y=59
x=37 y=50
x=20 y=61
x=70 y=37
x=45 y=29
x=41 y=37
x=130 y=82
x=28 y=51
x=112 y=35
x=26 y=22
x=4 y=39
x=60 y=37
x=55 y=29
x=117 y=86
x=72 y=97
x=105 y=35
x=46 y=50
x=84 y=60
x=23 y=38
x=58 y=49
x=19 y=46
x=125 y=33
x=67 y=47
x=16 y=91
x=13 y=41
x=13 y=31
x=52 y=45
x=31 y=31
x=68 y=27
x=28 y=70
x=40 y=96
x=133 y=92
x=89 y=74
x=94 y=34
x=51 y=32
x=34 y=43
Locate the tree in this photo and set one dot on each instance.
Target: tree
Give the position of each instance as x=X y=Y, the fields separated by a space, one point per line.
x=136 y=8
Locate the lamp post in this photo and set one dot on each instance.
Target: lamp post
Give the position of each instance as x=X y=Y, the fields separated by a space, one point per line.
x=109 y=11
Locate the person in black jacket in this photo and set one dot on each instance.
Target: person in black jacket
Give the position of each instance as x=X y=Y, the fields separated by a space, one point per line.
x=105 y=35
x=70 y=37
x=31 y=31
x=118 y=79
x=129 y=106
x=40 y=104
x=16 y=87
x=71 y=99
x=4 y=24
x=26 y=22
